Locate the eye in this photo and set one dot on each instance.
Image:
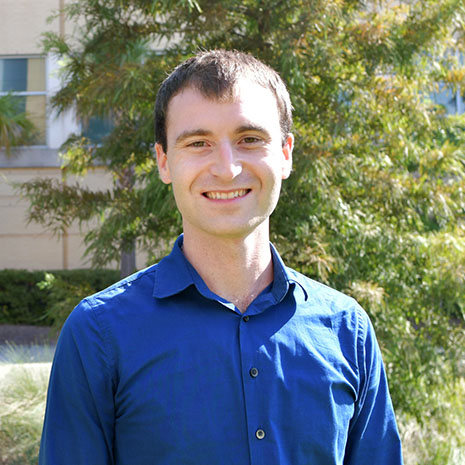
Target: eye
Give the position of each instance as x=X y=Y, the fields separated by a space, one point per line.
x=251 y=140
x=198 y=144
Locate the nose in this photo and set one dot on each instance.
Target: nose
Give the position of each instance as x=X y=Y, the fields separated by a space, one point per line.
x=226 y=163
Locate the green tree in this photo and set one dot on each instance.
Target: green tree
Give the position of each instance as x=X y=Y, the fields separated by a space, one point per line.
x=376 y=204
x=15 y=126
x=110 y=73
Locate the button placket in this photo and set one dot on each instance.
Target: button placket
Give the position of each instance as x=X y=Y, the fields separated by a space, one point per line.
x=247 y=352
x=256 y=417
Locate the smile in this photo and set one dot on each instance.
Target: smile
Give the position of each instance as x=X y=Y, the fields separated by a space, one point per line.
x=218 y=195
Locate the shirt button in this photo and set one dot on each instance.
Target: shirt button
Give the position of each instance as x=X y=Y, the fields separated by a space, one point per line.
x=246 y=318
x=253 y=372
x=260 y=434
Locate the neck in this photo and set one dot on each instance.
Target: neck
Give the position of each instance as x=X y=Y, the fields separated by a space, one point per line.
x=237 y=269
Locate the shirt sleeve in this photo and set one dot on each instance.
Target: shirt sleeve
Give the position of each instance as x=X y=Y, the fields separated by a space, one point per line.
x=79 y=418
x=373 y=434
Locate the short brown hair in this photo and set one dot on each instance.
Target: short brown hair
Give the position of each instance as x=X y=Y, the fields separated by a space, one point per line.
x=215 y=73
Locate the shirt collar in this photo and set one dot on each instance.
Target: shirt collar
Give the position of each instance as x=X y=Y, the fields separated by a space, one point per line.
x=281 y=277
x=174 y=274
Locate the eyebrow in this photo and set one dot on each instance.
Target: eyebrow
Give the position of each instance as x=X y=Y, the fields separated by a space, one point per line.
x=191 y=133
x=205 y=132
x=253 y=128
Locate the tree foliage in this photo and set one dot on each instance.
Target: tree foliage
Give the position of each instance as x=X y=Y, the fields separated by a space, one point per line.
x=15 y=126
x=376 y=203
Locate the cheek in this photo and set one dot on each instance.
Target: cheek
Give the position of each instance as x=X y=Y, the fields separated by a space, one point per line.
x=275 y=192
x=272 y=172
x=183 y=185
x=271 y=181
x=178 y=190
x=181 y=200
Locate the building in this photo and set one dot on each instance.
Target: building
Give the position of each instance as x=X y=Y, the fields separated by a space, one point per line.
x=32 y=77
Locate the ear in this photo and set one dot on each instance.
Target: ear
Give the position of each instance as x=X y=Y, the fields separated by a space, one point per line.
x=162 y=162
x=287 y=153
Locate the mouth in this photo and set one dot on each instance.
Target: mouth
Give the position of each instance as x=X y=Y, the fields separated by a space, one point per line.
x=222 y=195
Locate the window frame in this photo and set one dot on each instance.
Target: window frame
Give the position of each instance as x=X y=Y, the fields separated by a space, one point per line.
x=26 y=93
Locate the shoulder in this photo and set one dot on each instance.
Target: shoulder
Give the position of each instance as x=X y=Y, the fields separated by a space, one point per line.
x=139 y=285
x=106 y=317
x=126 y=294
x=320 y=301
x=318 y=292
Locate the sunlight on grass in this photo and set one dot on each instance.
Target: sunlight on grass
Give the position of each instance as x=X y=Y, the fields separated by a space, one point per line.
x=24 y=373
x=31 y=353
x=440 y=440
x=22 y=403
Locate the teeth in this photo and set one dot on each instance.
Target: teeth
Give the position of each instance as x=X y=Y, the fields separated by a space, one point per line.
x=226 y=195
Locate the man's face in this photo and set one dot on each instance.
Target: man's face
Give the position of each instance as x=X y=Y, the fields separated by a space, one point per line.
x=225 y=160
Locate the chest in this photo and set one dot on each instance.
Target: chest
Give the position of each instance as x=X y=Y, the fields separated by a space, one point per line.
x=216 y=382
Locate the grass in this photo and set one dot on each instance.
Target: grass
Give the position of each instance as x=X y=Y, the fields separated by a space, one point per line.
x=438 y=440
x=32 y=353
x=23 y=387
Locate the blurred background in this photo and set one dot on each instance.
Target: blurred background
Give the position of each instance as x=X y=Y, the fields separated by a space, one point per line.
x=375 y=206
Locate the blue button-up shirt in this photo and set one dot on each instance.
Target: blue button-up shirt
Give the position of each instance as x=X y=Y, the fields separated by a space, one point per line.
x=157 y=370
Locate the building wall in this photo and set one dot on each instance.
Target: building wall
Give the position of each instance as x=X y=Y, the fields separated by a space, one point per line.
x=21 y=24
x=29 y=246
x=24 y=245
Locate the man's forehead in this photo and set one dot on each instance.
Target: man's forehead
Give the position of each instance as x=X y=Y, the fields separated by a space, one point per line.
x=242 y=86
x=249 y=105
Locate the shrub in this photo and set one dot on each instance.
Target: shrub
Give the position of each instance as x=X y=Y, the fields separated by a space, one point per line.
x=22 y=301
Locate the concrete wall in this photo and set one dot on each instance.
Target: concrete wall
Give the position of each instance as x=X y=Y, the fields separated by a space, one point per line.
x=29 y=246
x=24 y=245
x=21 y=24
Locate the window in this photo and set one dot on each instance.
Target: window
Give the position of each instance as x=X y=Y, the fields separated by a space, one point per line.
x=96 y=128
x=25 y=79
x=453 y=101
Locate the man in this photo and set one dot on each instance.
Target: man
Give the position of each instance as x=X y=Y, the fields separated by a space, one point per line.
x=220 y=354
